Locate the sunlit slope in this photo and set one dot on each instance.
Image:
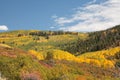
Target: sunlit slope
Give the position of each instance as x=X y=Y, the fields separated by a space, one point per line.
x=25 y=40
x=17 y=64
x=103 y=58
x=53 y=54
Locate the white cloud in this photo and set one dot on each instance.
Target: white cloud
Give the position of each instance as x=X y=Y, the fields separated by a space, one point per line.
x=92 y=17
x=52 y=27
x=3 y=27
x=62 y=20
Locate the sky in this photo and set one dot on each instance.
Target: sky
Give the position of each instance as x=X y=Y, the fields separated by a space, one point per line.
x=67 y=15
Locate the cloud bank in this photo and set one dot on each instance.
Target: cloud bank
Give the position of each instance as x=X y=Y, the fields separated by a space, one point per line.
x=91 y=17
x=3 y=27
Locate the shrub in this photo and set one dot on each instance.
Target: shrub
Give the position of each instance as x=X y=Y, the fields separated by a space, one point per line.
x=117 y=55
x=117 y=63
x=49 y=56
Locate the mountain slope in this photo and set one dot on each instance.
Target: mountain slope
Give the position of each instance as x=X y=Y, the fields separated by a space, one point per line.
x=39 y=40
x=96 y=41
x=17 y=64
x=43 y=55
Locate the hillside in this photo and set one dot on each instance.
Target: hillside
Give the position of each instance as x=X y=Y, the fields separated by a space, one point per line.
x=100 y=40
x=59 y=55
x=39 y=40
x=16 y=64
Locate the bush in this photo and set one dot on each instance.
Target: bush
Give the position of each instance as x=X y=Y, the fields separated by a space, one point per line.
x=117 y=56
x=118 y=63
x=49 y=56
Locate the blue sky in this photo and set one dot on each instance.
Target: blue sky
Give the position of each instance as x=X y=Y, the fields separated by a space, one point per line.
x=56 y=14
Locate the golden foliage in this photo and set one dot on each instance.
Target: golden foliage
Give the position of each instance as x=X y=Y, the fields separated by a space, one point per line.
x=60 y=55
x=99 y=58
x=39 y=56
